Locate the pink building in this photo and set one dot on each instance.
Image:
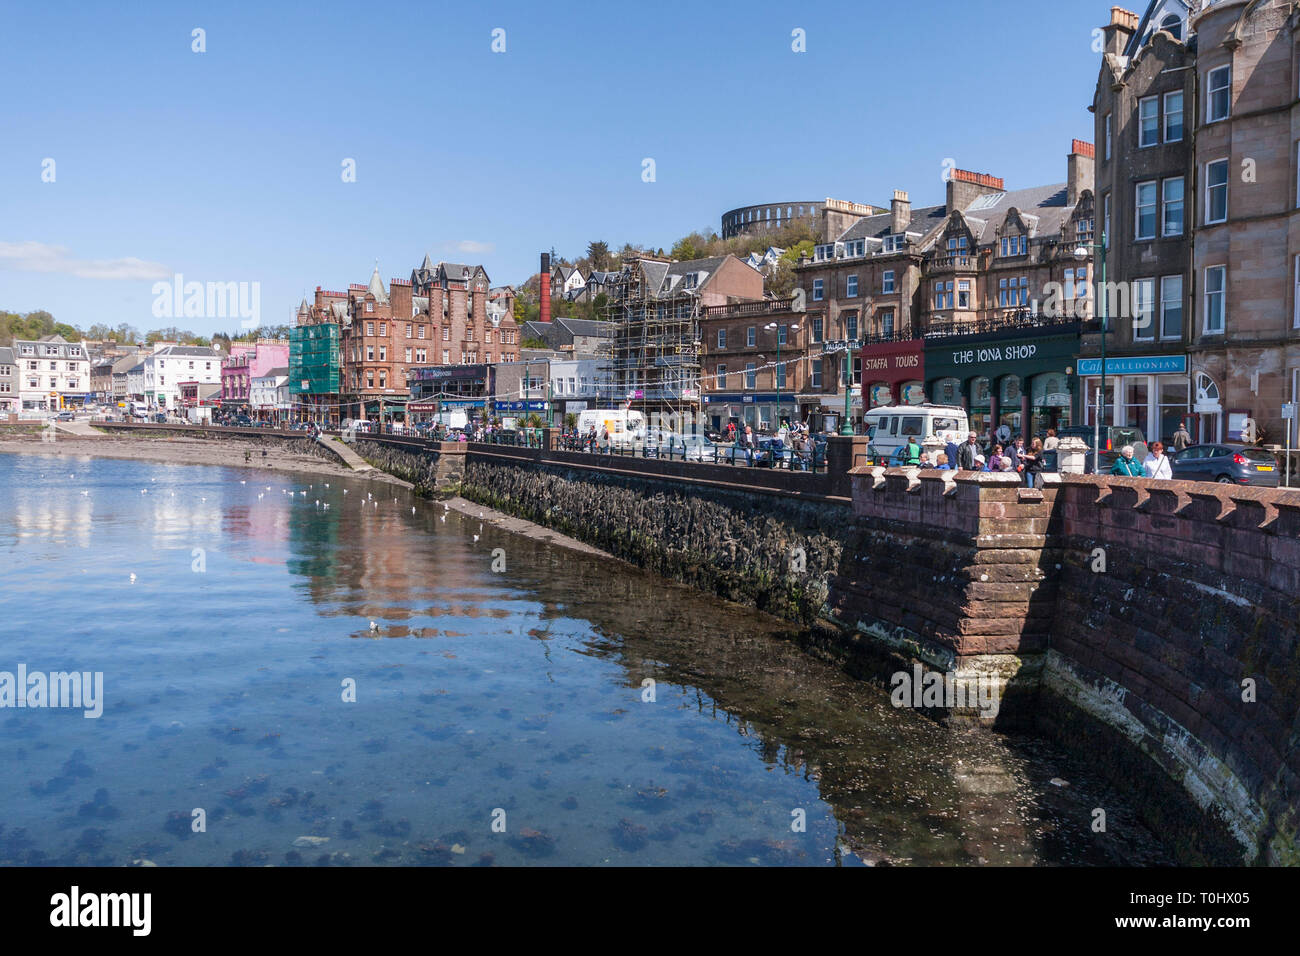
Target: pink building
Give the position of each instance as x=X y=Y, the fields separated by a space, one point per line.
x=247 y=361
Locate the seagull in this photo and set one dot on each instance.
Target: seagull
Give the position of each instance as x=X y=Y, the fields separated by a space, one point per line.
x=374 y=626
x=442 y=518
x=85 y=494
x=243 y=482
x=412 y=509
x=133 y=577
x=144 y=491
x=345 y=491
x=475 y=537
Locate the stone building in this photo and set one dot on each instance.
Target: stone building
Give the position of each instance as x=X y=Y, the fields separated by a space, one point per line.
x=9 y=390
x=988 y=261
x=1197 y=113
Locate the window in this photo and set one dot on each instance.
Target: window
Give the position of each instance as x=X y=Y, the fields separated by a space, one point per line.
x=894 y=243
x=446 y=333
x=1216 y=192
x=780 y=375
x=446 y=357
x=1146 y=211
x=370 y=353
x=1295 y=321
x=1173 y=24
x=370 y=307
x=383 y=378
x=1109 y=127
x=370 y=376
x=963 y=294
x=383 y=353
x=1172 y=217
x=1143 y=309
x=1105 y=221
x=1148 y=122
x=370 y=328
x=851 y=289
x=1218 y=94
x=750 y=336
x=817 y=329
x=887 y=281
x=851 y=326
x=957 y=246
x=816 y=380
x=751 y=377
x=1216 y=282
x=1171 y=307
x=781 y=335
x=1173 y=117
x=408 y=330
x=887 y=323
x=722 y=377
x=722 y=338
x=943 y=295
x=817 y=290
x=421 y=334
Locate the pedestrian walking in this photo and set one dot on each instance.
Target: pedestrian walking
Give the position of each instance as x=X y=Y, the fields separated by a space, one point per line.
x=967 y=453
x=912 y=455
x=1032 y=461
x=1157 y=464
x=1126 y=465
x=1182 y=437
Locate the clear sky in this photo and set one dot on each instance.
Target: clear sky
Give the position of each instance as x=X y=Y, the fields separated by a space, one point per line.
x=226 y=165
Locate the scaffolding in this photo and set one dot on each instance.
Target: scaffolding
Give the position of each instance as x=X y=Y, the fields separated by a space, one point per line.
x=654 y=355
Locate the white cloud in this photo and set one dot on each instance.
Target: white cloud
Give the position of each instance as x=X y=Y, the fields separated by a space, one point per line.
x=38 y=257
x=472 y=245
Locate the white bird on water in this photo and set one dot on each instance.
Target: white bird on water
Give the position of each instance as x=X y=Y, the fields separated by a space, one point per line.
x=374 y=626
x=133 y=577
x=144 y=491
x=242 y=481
x=85 y=494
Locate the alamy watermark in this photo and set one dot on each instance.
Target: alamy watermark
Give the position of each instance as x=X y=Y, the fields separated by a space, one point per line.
x=73 y=690
x=920 y=688
x=175 y=298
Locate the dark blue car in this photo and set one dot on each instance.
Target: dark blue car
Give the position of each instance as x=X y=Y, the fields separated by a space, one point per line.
x=1226 y=464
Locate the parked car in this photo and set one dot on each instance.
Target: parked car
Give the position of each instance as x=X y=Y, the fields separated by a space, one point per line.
x=64 y=417
x=694 y=447
x=1227 y=464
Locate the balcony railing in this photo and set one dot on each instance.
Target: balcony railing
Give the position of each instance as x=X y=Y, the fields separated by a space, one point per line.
x=741 y=309
x=999 y=323
x=953 y=262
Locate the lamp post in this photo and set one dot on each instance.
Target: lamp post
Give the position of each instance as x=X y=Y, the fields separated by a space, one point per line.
x=1081 y=253
x=774 y=327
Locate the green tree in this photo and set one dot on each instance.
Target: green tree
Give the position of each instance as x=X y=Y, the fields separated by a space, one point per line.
x=598 y=256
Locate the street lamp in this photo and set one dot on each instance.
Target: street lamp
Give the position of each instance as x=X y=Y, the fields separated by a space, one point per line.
x=1081 y=254
x=774 y=327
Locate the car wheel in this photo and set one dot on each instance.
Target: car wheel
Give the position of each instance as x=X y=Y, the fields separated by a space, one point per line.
x=1224 y=480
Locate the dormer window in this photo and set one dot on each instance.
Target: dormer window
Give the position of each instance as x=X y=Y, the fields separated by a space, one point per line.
x=691 y=280
x=957 y=246
x=1014 y=246
x=895 y=243
x=1173 y=24
x=370 y=307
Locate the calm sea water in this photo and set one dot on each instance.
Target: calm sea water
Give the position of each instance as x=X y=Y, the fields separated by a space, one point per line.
x=512 y=697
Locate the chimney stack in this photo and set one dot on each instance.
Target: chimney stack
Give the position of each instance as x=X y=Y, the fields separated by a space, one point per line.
x=901 y=210
x=544 y=290
x=1080 y=169
x=964 y=187
x=1123 y=24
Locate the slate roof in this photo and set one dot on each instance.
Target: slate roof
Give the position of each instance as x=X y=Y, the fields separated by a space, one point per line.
x=586 y=327
x=7 y=357
x=1045 y=210
x=924 y=218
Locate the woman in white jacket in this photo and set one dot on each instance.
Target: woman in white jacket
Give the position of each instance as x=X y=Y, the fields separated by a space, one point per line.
x=1157 y=464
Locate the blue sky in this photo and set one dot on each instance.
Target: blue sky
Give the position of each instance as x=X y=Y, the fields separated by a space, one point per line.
x=225 y=166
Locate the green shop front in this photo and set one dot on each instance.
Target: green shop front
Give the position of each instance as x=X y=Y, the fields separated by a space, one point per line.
x=1015 y=380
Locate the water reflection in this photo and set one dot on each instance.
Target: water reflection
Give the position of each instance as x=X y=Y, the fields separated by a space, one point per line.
x=476 y=693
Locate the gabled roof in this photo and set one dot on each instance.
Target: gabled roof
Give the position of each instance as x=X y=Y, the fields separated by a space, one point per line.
x=1157 y=11
x=1044 y=210
x=7 y=356
x=585 y=327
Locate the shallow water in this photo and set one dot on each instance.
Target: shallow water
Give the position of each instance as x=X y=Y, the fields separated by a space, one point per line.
x=500 y=716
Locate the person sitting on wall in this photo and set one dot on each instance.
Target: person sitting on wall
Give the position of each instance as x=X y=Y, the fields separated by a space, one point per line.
x=1126 y=465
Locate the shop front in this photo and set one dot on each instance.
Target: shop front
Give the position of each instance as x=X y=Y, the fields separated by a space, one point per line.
x=893 y=373
x=1011 y=382
x=760 y=410
x=1151 y=392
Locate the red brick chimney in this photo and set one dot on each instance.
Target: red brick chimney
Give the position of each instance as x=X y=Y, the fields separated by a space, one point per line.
x=1080 y=165
x=964 y=187
x=544 y=287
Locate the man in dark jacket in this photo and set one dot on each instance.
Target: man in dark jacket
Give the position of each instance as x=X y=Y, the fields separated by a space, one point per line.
x=965 y=456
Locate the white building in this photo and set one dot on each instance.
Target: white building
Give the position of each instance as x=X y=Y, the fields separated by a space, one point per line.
x=268 y=395
x=169 y=365
x=53 y=373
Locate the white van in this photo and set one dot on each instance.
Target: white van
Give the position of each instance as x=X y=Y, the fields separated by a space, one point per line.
x=889 y=426
x=626 y=427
